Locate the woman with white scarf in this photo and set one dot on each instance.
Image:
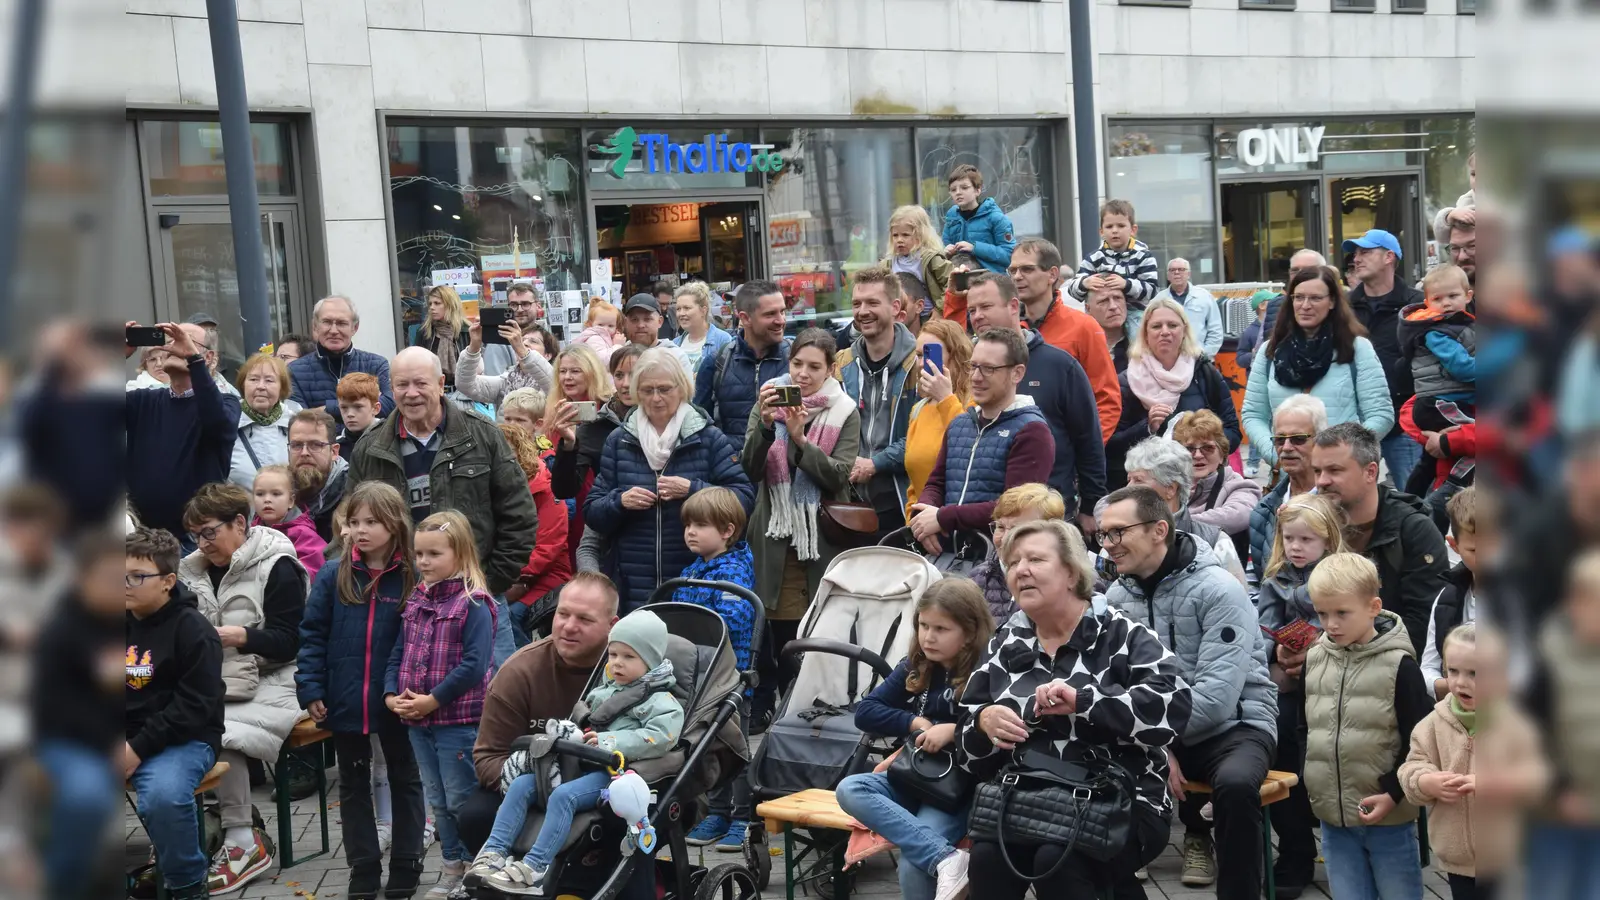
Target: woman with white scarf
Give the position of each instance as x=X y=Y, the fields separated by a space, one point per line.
x=799 y=457
x=1167 y=375
x=664 y=451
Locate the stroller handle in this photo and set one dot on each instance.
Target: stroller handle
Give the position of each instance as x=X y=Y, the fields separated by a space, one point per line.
x=611 y=759
x=967 y=543
x=792 y=650
x=666 y=589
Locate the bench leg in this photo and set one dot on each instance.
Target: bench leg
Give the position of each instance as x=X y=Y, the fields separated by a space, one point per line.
x=841 y=881
x=280 y=780
x=322 y=795
x=788 y=860
x=1266 y=852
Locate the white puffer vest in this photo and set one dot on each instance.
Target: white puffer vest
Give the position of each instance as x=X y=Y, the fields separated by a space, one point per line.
x=262 y=707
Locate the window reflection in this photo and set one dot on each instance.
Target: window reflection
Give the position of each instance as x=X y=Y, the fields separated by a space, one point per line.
x=1167 y=171
x=1016 y=167
x=184 y=159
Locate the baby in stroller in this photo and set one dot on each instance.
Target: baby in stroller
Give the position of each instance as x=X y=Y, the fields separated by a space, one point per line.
x=641 y=720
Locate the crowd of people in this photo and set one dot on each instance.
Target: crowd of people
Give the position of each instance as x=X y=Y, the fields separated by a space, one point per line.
x=356 y=539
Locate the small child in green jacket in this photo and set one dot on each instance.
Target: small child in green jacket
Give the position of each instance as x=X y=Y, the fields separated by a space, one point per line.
x=642 y=720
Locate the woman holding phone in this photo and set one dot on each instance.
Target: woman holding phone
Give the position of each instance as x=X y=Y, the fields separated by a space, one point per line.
x=944 y=382
x=532 y=369
x=798 y=455
x=579 y=444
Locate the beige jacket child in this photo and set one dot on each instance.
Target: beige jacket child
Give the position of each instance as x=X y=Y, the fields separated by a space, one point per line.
x=1469 y=837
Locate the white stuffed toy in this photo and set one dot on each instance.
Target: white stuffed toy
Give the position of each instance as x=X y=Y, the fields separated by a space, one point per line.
x=561 y=730
x=522 y=762
x=629 y=797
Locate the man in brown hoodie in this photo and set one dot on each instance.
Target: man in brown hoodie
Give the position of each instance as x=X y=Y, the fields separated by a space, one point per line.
x=542 y=681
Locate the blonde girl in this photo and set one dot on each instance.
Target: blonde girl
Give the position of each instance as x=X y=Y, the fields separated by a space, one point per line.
x=443 y=330
x=600 y=332
x=1310 y=526
x=945 y=393
x=439 y=674
x=351 y=626
x=696 y=334
x=916 y=249
x=280 y=495
x=949 y=633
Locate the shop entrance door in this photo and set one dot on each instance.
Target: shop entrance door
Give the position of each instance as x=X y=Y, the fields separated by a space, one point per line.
x=1263 y=225
x=1357 y=205
x=196 y=252
x=714 y=242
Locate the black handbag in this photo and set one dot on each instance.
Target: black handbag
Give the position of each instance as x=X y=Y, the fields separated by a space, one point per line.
x=1040 y=799
x=930 y=777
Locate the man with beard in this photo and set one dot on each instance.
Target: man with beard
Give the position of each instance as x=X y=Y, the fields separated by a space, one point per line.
x=1392 y=529
x=876 y=371
x=315 y=378
x=314 y=444
x=729 y=378
x=523 y=300
x=1377 y=300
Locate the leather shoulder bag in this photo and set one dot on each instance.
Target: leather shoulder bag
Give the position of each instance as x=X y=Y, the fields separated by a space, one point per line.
x=934 y=778
x=1080 y=805
x=848 y=523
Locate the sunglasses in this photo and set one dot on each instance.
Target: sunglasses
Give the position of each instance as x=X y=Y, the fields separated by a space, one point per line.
x=1296 y=440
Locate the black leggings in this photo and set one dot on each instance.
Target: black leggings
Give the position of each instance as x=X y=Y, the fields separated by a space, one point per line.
x=1080 y=877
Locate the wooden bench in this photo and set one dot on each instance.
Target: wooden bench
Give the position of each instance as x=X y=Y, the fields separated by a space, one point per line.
x=812 y=808
x=306 y=733
x=1276 y=787
x=213 y=777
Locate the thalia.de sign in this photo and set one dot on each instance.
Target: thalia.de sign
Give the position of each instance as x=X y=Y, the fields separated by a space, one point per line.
x=655 y=153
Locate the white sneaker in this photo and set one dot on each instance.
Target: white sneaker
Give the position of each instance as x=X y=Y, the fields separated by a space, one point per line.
x=385 y=837
x=487 y=863
x=952 y=872
x=1142 y=874
x=450 y=875
x=518 y=878
x=428 y=833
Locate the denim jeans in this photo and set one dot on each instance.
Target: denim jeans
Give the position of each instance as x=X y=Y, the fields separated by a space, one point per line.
x=924 y=833
x=1563 y=863
x=83 y=798
x=1373 y=862
x=505 y=636
x=165 y=784
x=566 y=801
x=1401 y=454
x=444 y=757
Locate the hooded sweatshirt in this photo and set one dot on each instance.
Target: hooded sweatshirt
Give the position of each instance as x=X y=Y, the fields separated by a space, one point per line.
x=308 y=545
x=173 y=691
x=884 y=392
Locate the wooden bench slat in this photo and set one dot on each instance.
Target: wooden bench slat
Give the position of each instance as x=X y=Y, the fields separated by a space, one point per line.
x=811 y=808
x=306 y=732
x=1274 y=788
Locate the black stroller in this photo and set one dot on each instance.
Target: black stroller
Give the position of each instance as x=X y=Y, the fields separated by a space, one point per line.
x=711 y=750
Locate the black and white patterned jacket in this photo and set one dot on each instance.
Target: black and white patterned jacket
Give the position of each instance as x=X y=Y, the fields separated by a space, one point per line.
x=1131 y=698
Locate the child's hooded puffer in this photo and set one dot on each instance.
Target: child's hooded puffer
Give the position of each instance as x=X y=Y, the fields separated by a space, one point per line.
x=302 y=532
x=737 y=566
x=647 y=725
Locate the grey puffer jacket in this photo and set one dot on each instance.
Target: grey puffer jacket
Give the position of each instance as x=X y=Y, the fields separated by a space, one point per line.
x=1201 y=613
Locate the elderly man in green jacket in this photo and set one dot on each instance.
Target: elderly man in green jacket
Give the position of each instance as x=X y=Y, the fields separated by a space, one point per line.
x=439 y=457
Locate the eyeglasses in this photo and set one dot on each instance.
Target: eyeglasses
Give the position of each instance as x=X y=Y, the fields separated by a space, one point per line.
x=207 y=534
x=1469 y=247
x=990 y=371
x=1205 y=449
x=1022 y=270
x=1309 y=299
x=1297 y=440
x=341 y=324
x=308 y=446
x=655 y=391
x=1112 y=537
x=521 y=304
x=137 y=579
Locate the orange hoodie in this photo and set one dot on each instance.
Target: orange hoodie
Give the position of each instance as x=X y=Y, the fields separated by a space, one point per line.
x=1080 y=335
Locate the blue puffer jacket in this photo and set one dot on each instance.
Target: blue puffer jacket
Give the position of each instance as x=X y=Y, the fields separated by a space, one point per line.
x=988 y=230
x=975 y=458
x=1357 y=391
x=647 y=545
x=728 y=402
x=345 y=649
x=315 y=379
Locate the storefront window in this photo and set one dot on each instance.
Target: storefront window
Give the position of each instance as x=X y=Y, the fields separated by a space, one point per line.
x=1368 y=145
x=639 y=158
x=486 y=206
x=1166 y=171
x=1448 y=144
x=828 y=209
x=184 y=159
x=1016 y=166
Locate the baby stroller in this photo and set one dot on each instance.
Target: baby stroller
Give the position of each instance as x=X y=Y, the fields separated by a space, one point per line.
x=962 y=551
x=596 y=862
x=851 y=638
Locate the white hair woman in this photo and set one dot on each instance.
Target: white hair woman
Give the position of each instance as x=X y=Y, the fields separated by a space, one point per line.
x=1167 y=375
x=664 y=451
x=1165 y=466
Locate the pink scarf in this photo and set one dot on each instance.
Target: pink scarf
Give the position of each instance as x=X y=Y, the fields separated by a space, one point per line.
x=1157 y=386
x=795 y=497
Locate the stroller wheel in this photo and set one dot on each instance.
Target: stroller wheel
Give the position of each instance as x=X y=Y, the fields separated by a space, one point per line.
x=728 y=882
x=756 y=855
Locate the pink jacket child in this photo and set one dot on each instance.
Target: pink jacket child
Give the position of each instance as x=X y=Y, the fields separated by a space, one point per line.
x=599 y=341
x=308 y=545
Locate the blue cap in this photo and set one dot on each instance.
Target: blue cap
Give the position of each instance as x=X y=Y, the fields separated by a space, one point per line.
x=1570 y=239
x=1377 y=237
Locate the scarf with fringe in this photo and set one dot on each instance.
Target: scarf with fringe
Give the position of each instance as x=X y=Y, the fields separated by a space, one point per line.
x=796 y=498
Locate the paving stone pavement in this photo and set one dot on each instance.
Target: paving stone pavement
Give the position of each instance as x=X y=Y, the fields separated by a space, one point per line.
x=326 y=877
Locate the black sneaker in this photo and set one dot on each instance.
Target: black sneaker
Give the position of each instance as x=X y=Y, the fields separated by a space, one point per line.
x=366 y=880
x=404 y=876
x=1290 y=882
